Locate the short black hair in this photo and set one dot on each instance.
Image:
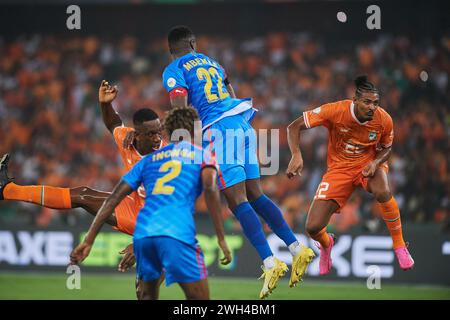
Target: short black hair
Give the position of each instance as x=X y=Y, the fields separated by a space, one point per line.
x=363 y=84
x=178 y=34
x=143 y=115
x=181 y=118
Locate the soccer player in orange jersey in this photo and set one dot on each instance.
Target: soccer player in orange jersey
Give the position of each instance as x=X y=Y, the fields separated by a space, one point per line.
x=359 y=144
x=132 y=143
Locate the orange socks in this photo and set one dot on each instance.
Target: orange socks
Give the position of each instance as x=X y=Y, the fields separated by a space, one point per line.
x=391 y=216
x=50 y=197
x=322 y=237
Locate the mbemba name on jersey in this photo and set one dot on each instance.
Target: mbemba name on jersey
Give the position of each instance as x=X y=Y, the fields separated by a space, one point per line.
x=204 y=81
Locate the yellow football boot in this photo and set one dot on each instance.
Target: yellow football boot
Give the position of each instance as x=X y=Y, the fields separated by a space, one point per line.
x=300 y=263
x=271 y=277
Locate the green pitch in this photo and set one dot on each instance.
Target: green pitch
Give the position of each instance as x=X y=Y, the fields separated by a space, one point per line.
x=50 y=286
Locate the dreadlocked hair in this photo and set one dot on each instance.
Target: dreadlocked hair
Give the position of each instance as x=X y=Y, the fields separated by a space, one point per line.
x=181 y=118
x=363 y=85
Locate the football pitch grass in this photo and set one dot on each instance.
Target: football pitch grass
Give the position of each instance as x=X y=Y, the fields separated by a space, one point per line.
x=19 y=286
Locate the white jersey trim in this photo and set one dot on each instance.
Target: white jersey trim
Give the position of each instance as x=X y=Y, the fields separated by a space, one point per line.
x=306 y=119
x=352 y=111
x=121 y=126
x=240 y=108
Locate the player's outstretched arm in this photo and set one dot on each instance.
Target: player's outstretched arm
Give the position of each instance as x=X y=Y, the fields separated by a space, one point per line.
x=106 y=95
x=212 y=198
x=293 y=134
x=82 y=250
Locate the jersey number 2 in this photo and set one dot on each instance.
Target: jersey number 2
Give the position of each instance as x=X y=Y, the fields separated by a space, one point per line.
x=207 y=75
x=160 y=186
x=323 y=187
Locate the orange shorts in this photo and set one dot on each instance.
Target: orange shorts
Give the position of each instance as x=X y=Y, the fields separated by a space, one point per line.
x=126 y=213
x=338 y=185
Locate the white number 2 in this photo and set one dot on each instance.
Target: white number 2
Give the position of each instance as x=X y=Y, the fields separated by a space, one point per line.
x=322 y=188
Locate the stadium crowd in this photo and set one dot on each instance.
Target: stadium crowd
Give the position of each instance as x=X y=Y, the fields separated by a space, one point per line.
x=52 y=126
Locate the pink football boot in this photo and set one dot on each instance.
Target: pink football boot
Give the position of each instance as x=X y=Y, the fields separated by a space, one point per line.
x=325 y=262
x=405 y=260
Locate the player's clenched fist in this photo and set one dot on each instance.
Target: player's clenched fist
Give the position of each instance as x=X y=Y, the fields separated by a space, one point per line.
x=226 y=252
x=80 y=253
x=107 y=93
x=128 y=259
x=295 y=166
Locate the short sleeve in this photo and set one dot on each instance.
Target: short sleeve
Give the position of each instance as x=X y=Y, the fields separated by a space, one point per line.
x=322 y=115
x=134 y=177
x=387 y=136
x=119 y=134
x=173 y=78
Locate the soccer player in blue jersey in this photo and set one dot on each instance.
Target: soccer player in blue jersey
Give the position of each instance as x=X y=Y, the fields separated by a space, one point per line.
x=164 y=236
x=198 y=80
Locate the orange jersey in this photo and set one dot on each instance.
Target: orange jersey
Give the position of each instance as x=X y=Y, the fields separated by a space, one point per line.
x=351 y=144
x=129 y=156
x=128 y=209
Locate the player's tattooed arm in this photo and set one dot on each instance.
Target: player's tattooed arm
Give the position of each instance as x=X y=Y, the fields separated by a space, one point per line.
x=106 y=95
x=81 y=252
x=212 y=198
x=381 y=157
x=293 y=134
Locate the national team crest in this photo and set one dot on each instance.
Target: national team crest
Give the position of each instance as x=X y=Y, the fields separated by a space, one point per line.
x=372 y=136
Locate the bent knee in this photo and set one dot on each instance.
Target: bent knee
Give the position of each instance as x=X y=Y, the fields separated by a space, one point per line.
x=383 y=195
x=80 y=191
x=312 y=229
x=254 y=191
x=77 y=194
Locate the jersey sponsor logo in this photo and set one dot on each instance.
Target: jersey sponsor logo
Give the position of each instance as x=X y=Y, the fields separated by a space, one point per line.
x=372 y=136
x=353 y=148
x=171 y=82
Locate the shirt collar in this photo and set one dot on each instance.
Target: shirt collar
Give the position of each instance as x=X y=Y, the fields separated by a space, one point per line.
x=352 y=111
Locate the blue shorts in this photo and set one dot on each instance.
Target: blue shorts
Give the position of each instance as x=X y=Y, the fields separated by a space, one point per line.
x=181 y=262
x=233 y=141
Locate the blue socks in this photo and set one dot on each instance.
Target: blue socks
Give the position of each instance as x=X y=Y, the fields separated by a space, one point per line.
x=252 y=228
x=274 y=218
